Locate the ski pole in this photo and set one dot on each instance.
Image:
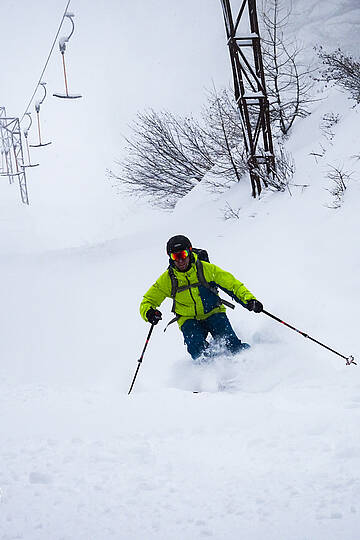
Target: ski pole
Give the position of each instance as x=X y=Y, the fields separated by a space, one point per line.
x=349 y=359
x=141 y=357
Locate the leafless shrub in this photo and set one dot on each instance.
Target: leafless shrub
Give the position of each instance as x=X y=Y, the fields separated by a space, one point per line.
x=167 y=155
x=341 y=69
x=340 y=179
x=222 y=126
x=328 y=121
x=161 y=163
x=319 y=154
x=231 y=213
x=280 y=178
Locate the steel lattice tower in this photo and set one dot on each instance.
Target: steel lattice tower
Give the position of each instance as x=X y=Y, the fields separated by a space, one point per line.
x=250 y=89
x=12 y=152
x=5 y=147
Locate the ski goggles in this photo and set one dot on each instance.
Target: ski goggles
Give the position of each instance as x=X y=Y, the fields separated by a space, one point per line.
x=180 y=255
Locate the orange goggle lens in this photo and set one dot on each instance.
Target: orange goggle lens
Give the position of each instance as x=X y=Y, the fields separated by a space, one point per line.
x=180 y=255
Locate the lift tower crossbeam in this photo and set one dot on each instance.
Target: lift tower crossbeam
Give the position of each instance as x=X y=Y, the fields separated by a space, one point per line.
x=250 y=89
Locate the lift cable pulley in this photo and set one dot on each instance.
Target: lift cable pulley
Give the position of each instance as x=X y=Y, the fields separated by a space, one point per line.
x=62 y=47
x=37 y=109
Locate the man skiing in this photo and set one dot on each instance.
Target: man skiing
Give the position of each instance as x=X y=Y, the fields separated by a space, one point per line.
x=193 y=285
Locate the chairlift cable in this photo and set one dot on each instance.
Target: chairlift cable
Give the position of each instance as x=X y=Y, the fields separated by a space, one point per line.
x=47 y=60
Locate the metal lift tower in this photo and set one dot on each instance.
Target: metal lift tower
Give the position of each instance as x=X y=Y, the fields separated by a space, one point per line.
x=12 y=153
x=249 y=86
x=5 y=147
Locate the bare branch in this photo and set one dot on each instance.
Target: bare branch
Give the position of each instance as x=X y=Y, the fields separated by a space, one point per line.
x=288 y=82
x=167 y=155
x=341 y=69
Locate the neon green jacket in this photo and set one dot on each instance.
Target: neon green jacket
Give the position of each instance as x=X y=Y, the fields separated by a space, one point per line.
x=197 y=302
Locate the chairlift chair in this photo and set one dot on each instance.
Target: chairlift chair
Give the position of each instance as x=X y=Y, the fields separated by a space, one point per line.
x=37 y=109
x=62 y=46
x=26 y=133
x=11 y=175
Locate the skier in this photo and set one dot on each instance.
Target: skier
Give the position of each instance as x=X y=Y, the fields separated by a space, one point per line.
x=193 y=285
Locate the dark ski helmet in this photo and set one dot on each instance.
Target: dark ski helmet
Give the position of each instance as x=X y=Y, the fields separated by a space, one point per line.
x=178 y=243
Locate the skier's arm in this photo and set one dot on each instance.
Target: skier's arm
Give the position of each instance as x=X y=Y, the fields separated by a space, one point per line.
x=155 y=296
x=228 y=283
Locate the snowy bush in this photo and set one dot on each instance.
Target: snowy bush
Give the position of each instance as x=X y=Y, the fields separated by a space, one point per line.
x=280 y=178
x=231 y=213
x=328 y=121
x=166 y=154
x=340 y=180
x=343 y=70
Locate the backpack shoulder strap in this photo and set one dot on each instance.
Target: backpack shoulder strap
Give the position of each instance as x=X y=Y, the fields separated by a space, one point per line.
x=200 y=273
x=174 y=286
x=204 y=283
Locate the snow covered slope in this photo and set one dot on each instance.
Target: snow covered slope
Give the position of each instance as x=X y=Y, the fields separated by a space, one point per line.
x=274 y=455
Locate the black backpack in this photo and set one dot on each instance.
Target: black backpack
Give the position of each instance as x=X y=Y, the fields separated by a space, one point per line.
x=202 y=254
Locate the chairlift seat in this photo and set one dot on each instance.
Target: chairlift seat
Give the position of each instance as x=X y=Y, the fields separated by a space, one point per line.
x=38 y=145
x=67 y=96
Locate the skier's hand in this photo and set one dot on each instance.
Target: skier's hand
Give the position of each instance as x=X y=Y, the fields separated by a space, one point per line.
x=153 y=315
x=254 y=305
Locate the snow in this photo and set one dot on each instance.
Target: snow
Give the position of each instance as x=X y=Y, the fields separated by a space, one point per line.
x=275 y=453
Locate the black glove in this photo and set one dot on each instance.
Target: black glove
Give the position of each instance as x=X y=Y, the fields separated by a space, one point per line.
x=254 y=305
x=153 y=315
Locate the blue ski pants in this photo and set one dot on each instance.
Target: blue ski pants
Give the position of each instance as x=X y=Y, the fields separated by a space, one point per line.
x=218 y=325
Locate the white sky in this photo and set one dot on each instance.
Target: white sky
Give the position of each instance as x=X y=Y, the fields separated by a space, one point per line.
x=124 y=56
